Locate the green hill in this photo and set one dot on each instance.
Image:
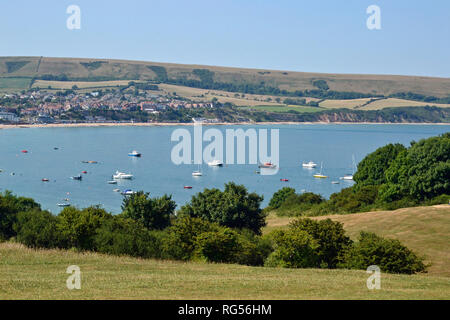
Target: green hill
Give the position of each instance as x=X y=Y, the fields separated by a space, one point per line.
x=12 y=69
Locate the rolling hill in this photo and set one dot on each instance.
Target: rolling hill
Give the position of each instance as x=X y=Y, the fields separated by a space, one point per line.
x=20 y=71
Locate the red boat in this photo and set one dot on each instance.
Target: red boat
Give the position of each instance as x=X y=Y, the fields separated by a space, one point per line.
x=24 y=151
x=284 y=180
x=45 y=180
x=85 y=172
x=187 y=187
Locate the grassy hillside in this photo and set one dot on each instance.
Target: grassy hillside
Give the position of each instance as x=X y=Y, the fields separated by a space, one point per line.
x=101 y=70
x=426 y=230
x=40 y=274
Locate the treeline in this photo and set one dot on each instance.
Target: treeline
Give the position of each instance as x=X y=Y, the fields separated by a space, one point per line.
x=205 y=80
x=215 y=226
x=391 y=177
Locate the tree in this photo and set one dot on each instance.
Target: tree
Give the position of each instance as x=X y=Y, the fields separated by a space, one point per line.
x=280 y=196
x=153 y=213
x=217 y=246
x=390 y=255
x=234 y=207
x=371 y=170
x=10 y=206
x=78 y=227
x=37 y=229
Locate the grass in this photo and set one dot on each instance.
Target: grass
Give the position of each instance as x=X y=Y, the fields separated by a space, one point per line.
x=284 y=108
x=44 y=84
x=425 y=230
x=41 y=274
x=289 y=80
x=15 y=83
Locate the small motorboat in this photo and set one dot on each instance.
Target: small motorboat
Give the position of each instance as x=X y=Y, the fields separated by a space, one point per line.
x=116 y=190
x=45 y=180
x=309 y=165
x=84 y=172
x=347 y=177
x=79 y=178
x=128 y=192
x=334 y=182
x=187 y=187
x=63 y=204
x=112 y=182
x=90 y=162
x=197 y=174
x=269 y=165
x=284 y=180
x=215 y=163
x=122 y=175
x=55 y=148
x=24 y=151
x=135 y=154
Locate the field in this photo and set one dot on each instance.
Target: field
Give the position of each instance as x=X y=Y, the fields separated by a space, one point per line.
x=98 y=69
x=284 y=108
x=14 y=84
x=44 y=84
x=426 y=230
x=41 y=274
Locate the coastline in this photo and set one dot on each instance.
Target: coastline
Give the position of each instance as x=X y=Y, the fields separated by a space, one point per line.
x=163 y=124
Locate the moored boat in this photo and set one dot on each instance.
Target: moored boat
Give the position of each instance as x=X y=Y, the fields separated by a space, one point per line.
x=309 y=165
x=134 y=153
x=122 y=175
x=269 y=165
x=215 y=163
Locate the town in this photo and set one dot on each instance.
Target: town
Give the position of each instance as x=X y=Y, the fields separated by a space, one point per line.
x=132 y=103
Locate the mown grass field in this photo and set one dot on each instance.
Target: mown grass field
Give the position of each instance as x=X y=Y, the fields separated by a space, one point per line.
x=41 y=274
x=425 y=230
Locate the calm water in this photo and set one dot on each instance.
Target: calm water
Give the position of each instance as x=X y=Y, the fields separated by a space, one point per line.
x=333 y=145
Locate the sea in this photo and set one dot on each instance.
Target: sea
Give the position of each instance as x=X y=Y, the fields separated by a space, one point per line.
x=57 y=154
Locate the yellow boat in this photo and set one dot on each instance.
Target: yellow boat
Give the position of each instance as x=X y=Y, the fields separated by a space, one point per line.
x=320 y=175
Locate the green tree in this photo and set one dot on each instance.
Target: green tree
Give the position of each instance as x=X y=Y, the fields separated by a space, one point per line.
x=371 y=170
x=389 y=255
x=234 y=207
x=37 y=229
x=78 y=227
x=280 y=196
x=153 y=213
x=221 y=245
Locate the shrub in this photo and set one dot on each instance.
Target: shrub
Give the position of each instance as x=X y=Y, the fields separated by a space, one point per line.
x=253 y=249
x=293 y=248
x=153 y=213
x=330 y=237
x=121 y=236
x=10 y=206
x=37 y=229
x=389 y=255
x=234 y=207
x=217 y=246
x=180 y=237
x=298 y=204
x=280 y=196
x=78 y=227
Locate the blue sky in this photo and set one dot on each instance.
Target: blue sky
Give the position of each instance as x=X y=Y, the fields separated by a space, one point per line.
x=311 y=36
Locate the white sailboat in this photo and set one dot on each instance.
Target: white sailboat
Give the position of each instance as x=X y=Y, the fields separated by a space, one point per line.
x=349 y=177
x=309 y=165
x=320 y=175
x=215 y=163
x=122 y=175
x=197 y=173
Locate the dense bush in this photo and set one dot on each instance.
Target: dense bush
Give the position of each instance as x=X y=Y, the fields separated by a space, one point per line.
x=389 y=255
x=37 y=229
x=330 y=237
x=153 y=213
x=10 y=206
x=78 y=227
x=221 y=245
x=280 y=196
x=299 y=204
x=122 y=236
x=234 y=207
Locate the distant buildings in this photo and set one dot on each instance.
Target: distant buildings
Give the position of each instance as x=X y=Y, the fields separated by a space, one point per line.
x=9 y=116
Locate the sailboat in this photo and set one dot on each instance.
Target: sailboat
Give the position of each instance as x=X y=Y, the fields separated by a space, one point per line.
x=320 y=175
x=197 y=173
x=350 y=176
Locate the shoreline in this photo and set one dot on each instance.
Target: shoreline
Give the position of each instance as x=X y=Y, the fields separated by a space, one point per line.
x=164 y=124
